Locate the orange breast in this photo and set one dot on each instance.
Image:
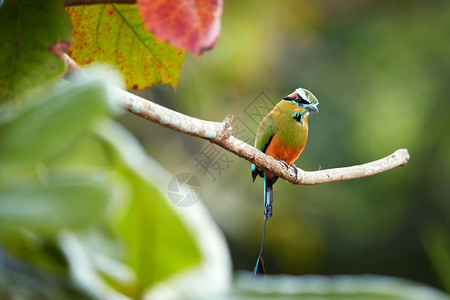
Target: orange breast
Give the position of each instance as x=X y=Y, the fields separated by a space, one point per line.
x=277 y=151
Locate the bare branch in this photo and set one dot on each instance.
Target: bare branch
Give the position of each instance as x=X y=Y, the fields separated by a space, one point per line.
x=71 y=65
x=219 y=133
x=60 y=48
x=169 y=118
x=85 y=2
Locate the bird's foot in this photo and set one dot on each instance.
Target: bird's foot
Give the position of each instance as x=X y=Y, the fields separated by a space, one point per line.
x=284 y=163
x=296 y=171
x=292 y=165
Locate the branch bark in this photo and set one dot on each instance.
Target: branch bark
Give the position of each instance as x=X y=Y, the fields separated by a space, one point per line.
x=220 y=134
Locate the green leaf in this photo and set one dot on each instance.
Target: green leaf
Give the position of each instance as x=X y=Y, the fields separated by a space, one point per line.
x=45 y=202
x=51 y=125
x=363 y=287
x=47 y=209
x=158 y=244
x=98 y=209
x=27 y=31
x=115 y=34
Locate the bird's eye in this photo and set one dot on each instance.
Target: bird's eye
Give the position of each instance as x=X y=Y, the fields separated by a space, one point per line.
x=302 y=101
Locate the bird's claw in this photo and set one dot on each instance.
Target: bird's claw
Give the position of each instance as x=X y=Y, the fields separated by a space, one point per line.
x=292 y=165
x=285 y=164
x=296 y=171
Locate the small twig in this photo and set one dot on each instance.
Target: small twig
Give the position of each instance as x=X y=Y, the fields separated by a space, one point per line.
x=85 y=2
x=219 y=133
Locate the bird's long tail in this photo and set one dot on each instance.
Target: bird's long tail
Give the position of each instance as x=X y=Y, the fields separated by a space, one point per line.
x=268 y=197
x=259 y=267
x=268 y=200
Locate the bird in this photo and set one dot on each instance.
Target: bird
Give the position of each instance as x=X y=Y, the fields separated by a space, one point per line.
x=282 y=134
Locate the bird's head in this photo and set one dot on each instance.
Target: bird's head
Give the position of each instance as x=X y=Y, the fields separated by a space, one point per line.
x=305 y=99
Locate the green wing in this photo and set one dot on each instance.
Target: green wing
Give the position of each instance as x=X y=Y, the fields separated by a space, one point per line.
x=264 y=133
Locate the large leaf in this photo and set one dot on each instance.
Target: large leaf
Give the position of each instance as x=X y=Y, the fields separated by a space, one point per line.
x=51 y=125
x=163 y=240
x=102 y=202
x=47 y=209
x=39 y=201
x=34 y=198
x=115 y=34
x=158 y=243
x=156 y=248
x=28 y=29
x=193 y=25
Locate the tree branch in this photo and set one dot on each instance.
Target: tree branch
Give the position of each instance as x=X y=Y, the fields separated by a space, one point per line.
x=85 y=2
x=219 y=133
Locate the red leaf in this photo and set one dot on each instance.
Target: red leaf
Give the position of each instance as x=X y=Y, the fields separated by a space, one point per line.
x=193 y=25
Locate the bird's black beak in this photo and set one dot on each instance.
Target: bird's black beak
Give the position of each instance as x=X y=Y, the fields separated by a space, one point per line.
x=311 y=107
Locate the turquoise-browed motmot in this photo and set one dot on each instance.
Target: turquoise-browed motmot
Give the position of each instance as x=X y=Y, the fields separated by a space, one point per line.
x=282 y=134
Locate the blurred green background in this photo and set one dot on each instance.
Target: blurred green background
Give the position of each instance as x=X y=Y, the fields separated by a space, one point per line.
x=380 y=70
x=85 y=213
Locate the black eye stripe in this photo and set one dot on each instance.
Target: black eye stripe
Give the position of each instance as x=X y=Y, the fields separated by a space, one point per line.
x=298 y=99
x=303 y=101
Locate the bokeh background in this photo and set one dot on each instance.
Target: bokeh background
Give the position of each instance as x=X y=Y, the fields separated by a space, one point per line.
x=380 y=70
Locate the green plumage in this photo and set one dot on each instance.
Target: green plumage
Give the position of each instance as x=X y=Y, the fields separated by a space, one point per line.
x=282 y=134
x=288 y=121
x=265 y=131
